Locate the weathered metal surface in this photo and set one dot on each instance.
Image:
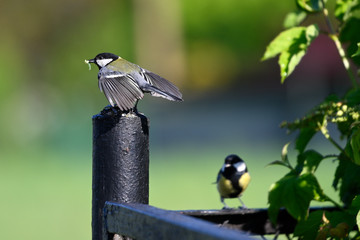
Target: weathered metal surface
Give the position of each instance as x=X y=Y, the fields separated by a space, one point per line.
x=253 y=221
x=141 y=221
x=120 y=162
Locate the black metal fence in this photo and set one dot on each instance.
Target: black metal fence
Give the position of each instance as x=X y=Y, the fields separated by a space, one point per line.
x=120 y=207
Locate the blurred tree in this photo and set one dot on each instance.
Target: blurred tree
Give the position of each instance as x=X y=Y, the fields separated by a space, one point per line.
x=159 y=38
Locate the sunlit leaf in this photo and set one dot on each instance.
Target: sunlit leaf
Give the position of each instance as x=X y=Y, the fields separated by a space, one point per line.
x=284 y=153
x=294 y=19
x=294 y=193
x=310 y=160
x=284 y=41
x=312 y=32
x=288 y=60
x=341 y=8
x=346 y=9
x=358 y=220
x=310 y=5
x=291 y=44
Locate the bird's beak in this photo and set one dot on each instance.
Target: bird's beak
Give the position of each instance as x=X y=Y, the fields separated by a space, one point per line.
x=89 y=61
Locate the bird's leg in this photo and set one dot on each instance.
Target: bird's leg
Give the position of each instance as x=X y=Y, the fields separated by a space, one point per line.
x=134 y=109
x=242 y=203
x=223 y=202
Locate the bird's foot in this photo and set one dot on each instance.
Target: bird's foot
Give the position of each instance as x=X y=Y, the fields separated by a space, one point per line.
x=243 y=207
x=226 y=208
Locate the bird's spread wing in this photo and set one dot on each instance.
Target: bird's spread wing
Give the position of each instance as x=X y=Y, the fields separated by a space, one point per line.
x=120 y=89
x=162 y=84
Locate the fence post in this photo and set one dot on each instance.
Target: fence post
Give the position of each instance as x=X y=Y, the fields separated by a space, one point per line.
x=120 y=162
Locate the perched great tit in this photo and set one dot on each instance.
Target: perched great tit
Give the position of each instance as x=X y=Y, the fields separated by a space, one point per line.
x=233 y=178
x=124 y=83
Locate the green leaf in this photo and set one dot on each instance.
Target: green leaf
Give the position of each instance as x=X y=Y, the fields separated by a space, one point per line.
x=284 y=41
x=355 y=145
x=284 y=158
x=310 y=160
x=294 y=193
x=284 y=153
x=294 y=19
x=355 y=206
x=341 y=8
x=352 y=98
x=278 y=162
x=308 y=229
x=350 y=34
x=357 y=53
x=336 y=217
x=304 y=137
x=291 y=44
x=310 y=5
x=347 y=174
x=358 y=220
x=288 y=60
x=346 y=9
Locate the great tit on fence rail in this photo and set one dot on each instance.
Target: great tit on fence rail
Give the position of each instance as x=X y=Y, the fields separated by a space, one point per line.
x=233 y=178
x=124 y=83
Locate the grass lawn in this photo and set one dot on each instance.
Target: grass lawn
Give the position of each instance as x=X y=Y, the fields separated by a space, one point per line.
x=48 y=195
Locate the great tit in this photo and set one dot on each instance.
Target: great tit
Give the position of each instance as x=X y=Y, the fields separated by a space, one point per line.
x=124 y=83
x=233 y=178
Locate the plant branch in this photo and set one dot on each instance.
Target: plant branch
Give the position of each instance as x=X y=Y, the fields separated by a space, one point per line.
x=335 y=144
x=327 y=19
x=339 y=47
x=326 y=134
x=335 y=203
x=345 y=60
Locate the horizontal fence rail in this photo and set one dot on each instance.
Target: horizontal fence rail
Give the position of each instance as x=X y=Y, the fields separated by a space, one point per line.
x=252 y=221
x=141 y=221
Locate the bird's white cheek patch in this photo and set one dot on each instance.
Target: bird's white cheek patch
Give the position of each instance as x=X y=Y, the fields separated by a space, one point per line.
x=240 y=167
x=103 y=62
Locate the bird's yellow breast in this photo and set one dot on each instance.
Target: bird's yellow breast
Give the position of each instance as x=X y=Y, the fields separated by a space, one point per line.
x=227 y=190
x=244 y=180
x=225 y=187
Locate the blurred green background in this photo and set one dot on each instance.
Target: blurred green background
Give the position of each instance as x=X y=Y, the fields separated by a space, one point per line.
x=210 y=49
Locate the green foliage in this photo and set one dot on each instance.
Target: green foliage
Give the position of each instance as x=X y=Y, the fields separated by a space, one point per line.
x=300 y=186
x=308 y=228
x=310 y=5
x=294 y=192
x=292 y=45
x=293 y=19
x=357 y=53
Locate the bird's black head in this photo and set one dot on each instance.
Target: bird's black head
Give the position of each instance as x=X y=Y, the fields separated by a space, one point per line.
x=103 y=59
x=233 y=159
